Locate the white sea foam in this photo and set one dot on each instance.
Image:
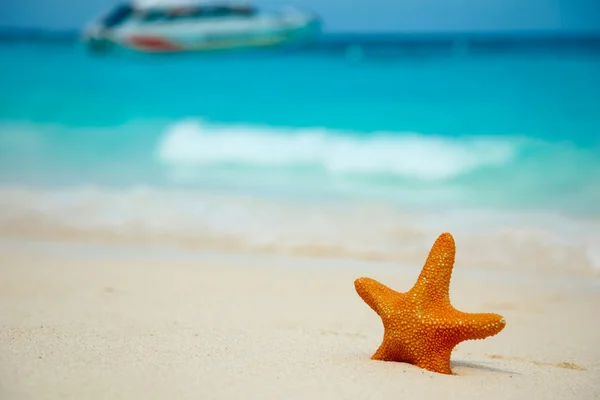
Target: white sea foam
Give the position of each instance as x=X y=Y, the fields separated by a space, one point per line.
x=409 y=155
x=593 y=252
x=487 y=239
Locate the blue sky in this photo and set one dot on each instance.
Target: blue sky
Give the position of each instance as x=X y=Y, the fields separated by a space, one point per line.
x=359 y=15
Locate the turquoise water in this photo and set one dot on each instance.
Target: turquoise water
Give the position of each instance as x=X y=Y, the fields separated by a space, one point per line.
x=497 y=129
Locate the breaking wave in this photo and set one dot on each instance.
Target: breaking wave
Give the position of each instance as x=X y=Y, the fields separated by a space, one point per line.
x=409 y=155
x=415 y=169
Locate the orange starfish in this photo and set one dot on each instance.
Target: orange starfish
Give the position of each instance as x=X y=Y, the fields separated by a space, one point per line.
x=421 y=327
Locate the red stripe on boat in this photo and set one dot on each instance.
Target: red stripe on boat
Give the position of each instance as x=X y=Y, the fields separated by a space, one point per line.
x=153 y=43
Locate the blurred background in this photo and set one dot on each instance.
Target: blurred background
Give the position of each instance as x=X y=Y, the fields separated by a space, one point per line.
x=317 y=127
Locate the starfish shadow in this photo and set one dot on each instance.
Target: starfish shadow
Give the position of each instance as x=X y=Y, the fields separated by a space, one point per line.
x=481 y=366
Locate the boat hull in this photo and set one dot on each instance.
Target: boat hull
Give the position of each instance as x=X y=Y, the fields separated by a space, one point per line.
x=205 y=36
x=148 y=42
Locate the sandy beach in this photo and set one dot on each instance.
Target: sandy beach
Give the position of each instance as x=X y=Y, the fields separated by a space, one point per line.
x=96 y=322
x=191 y=226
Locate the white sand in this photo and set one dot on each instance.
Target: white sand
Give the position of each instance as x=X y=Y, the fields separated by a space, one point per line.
x=112 y=323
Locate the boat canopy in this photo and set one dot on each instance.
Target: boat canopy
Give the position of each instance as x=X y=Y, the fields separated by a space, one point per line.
x=175 y=4
x=117 y=15
x=169 y=10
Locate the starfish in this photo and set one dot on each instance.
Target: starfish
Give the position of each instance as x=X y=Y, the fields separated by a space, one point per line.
x=421 y=327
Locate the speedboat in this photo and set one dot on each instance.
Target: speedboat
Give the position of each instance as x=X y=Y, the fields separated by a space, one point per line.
x=180 y=25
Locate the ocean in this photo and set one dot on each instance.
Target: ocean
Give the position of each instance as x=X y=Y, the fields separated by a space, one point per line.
x=358 y=146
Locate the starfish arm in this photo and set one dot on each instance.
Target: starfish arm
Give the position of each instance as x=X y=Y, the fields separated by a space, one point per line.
x=431 y=352
x=376 y=295
x=436 y=361
x=433 y=284
x=384 y=353
x=470 y=326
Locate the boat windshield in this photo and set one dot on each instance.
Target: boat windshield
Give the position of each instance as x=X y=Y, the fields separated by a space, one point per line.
x=118 y=15
x=194 y=13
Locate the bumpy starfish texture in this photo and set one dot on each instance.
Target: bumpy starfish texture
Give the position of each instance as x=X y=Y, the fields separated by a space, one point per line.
x=421 y=327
